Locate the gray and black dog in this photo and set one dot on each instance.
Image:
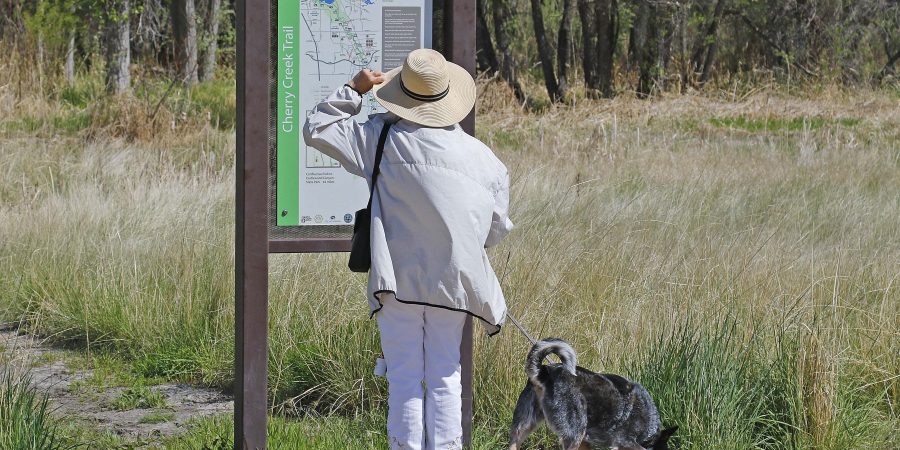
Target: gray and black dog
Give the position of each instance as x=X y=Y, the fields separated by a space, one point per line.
x=586 y=410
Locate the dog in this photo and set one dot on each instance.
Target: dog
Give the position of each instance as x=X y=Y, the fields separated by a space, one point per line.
x=586 y=410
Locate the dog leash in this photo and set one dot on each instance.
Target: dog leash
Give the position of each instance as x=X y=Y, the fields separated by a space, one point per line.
x=508 y=315
x=519 y=326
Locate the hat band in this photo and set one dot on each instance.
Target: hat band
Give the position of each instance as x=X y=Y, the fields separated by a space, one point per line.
x=420 y=97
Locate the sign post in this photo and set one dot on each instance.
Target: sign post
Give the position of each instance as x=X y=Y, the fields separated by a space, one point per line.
x=459 y=34
x=293 y=199
x=251 y=246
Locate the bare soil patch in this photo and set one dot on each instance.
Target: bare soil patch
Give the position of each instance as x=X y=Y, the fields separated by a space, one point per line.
x=72 y=399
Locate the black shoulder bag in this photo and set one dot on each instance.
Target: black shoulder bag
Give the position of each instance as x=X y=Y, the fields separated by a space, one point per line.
x=361 y=246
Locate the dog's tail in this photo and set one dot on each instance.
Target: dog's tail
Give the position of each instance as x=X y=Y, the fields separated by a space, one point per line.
x=543 y=349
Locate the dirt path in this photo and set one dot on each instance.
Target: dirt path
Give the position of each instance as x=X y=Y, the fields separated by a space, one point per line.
x=72 y=400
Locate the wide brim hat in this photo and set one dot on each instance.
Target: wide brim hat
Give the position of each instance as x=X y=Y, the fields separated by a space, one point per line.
x=427 y=89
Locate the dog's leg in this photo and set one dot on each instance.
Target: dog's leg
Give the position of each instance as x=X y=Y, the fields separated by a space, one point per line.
x=570 y=443
x=526 y=418
x=566 y=414
x=519 y=433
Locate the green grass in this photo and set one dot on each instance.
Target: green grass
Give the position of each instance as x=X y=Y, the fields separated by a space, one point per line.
x=138 y=397
x=158 y=417
x=78 y=435
x=25 y=422
x=45 y=359
x=156 y=107
x=107 y=369
x=748 y=279
x=69 y=122
x=750 y=392
x=775 y=124
x=311 y=432
x=216 y=100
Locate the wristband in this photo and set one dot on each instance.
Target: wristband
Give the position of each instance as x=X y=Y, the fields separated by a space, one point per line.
x=353 y=89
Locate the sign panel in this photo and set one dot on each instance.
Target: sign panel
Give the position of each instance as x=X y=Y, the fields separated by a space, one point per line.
x=321 y=45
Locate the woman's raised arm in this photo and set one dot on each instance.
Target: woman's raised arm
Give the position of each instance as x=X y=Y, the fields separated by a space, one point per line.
x=330 y=127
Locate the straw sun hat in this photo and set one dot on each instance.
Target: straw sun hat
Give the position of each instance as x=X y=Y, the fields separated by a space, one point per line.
x=428 y=90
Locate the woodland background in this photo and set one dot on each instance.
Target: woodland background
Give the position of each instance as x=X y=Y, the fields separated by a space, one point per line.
x=556 y=50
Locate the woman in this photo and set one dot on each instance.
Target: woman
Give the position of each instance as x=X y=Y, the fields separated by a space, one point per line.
x=440 y=199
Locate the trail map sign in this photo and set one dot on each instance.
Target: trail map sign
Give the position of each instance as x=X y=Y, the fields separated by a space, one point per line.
x=290 y=198
x=321 y=45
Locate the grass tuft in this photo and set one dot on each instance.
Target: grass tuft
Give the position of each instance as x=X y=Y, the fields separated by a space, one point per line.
x=25 y=422
x=158 y=417
x=138 y=397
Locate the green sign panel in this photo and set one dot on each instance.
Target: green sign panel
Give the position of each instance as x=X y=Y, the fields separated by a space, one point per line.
x=289 y=133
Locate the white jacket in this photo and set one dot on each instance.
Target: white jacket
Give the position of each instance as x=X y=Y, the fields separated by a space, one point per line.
x=442 y=197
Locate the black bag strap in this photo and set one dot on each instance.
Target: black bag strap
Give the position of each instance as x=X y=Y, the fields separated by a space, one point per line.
x=379 y=152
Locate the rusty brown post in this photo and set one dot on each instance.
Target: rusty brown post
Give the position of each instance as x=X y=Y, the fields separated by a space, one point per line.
x=459 y=38
x=251 y=250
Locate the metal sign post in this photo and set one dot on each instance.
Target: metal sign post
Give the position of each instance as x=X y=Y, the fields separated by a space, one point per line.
x=257 y=233
x=459 y=34
x=251 y=245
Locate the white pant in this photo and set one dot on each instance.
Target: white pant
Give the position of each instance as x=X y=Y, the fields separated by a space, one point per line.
x=421 y=343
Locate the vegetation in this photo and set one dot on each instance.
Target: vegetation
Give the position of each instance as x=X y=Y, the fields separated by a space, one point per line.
x=557 y=51
x=138 y=397
x=314 y=433
x=158 y=417
x=25 y=422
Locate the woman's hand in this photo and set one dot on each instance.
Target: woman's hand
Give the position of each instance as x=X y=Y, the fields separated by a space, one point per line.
x=365 y=79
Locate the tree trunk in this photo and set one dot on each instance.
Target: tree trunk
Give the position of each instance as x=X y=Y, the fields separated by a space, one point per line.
x=664 y=19
x=588 y=45
x=644 y=45
x=210 y=40
x=544 y=50
x=437 y=26
x=599 y=34
x=40 y=61
x=151 y=31
x=501 y=16
x=184 y=29
x=680 y=21
x=607 y=30
x=118 y=51
x=563 y=45
x=69 y=67
x=486 y=56
x=707 y=45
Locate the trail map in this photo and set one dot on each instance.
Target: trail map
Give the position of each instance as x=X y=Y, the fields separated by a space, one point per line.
x=321 y=45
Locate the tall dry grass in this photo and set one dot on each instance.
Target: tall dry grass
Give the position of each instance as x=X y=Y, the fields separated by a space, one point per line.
x=736 y=253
